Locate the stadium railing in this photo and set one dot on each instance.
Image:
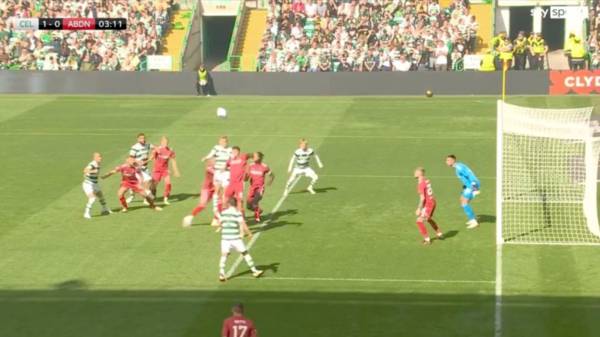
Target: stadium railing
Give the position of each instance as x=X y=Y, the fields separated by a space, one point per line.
x=234 y=38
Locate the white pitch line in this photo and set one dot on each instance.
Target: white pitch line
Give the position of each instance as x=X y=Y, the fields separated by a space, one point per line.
x=373 y=280
x=257 y=235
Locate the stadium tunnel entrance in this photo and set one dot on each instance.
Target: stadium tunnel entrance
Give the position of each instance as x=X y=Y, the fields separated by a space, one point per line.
x=217 y=32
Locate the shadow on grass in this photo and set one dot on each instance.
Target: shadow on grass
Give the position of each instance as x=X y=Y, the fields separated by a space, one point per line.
x=317 y=190
x=448 y=235
x=269 y=269
x=274 y=221
x=324 y=311
x=181 y=197
x=486 y=218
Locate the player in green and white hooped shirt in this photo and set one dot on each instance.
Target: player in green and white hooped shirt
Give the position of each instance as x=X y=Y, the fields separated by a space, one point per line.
x=91 y=188
x=300 y=166
x=233 y=229
x=221 y=154
x=141 y=151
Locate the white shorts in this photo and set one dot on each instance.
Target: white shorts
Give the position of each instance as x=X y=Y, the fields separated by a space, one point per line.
x=221 y=178
x=238 y=245
x=89 y=188
x=145 y=176
x=307 y=171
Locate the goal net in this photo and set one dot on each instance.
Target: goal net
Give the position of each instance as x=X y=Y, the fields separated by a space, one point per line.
x=547 y=170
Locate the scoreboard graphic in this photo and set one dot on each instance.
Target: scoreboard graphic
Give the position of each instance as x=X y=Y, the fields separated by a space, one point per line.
x=70 y=23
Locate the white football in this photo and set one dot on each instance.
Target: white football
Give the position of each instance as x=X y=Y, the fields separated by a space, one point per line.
x=221 y=112
x=187 y=221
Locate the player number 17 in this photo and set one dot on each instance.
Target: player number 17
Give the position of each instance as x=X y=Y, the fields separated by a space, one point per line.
x=239 y=330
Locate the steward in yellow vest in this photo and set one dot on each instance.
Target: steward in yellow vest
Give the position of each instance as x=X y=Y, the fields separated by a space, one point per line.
x=538 y=50
x=495 y=44
x=568 y=48
x=202 y=84
x=506 y=53
x=520 y=51
x=487 y=62
x=578 y=54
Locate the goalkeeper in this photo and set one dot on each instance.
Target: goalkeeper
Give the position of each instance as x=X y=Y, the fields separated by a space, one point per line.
x=471 y=187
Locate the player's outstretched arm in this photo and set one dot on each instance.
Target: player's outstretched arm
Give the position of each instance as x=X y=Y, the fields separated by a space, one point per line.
x=175 y=168
x=318 y=161
x=271 y=178
x=108 y=174
x=209 y=155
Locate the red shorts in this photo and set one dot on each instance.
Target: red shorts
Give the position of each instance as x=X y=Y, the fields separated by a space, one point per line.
x=254 y=190
x=135 y=187
x=235 y=190
x=157 y=176
x=428 y=210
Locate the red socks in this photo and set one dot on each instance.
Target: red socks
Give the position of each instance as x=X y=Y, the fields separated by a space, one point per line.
x=167 y=190
x=197 y=210
x=123 y=201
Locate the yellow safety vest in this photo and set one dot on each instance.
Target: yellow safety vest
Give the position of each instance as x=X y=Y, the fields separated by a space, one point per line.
x=505 y=55
x=538 y=46
x=577 y=50
x=202 y=75
x=487 y=63
x=519 y=46
x=569 y=44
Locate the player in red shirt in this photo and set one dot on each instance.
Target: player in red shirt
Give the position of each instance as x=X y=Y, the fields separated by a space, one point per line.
x=206 y=193
x=162 y=155
x=237 y=325
x=129 y=181
x=257 y=173
x=426 y=206
x=238 y=168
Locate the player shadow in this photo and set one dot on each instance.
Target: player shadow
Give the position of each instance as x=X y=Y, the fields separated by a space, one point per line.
x=317 y=190
x=486 y=218
x=181 y=197
x=138 y=207
x=448 y=235
x=274 y=225
x=272 y=268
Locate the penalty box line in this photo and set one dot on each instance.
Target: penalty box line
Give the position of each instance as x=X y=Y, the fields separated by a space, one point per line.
x=265 y=223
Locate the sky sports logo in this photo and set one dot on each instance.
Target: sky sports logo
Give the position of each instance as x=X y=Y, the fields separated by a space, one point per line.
x=559 y=12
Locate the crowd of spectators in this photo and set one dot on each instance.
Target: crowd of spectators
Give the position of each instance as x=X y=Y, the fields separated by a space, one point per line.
x=594 y=19
x=366 y=35
x=147 y=22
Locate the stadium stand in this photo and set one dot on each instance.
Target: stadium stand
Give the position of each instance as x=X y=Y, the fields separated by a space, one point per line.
x=594 y=15
x=148 y=21
x=380 y=35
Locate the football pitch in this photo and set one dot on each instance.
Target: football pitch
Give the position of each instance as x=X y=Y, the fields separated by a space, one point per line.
x=345 y=262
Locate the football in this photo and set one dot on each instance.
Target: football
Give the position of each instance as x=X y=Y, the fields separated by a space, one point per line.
x=429 y=93
x=221 y=112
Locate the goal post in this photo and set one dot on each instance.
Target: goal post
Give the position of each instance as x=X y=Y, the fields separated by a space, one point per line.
x=546 y=171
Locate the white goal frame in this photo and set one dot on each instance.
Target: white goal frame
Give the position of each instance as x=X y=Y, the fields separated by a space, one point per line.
x=582 y=133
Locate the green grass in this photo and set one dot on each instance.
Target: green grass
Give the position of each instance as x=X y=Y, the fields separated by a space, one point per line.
x=345 y=262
